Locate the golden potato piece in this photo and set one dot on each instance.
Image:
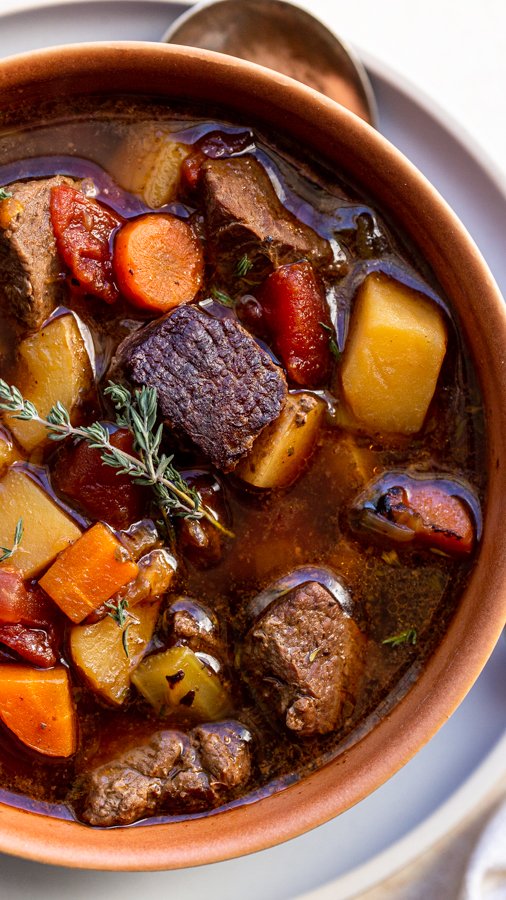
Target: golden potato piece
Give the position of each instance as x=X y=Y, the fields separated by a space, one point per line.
x=53 y=365
x=280 y=451
x=148 y=163
x=46 y=528
x=99 y=653
x=9 y=453
x=393 y=356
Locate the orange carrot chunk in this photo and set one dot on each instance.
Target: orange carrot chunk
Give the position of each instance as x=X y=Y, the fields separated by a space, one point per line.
x=37 y=706
x=89 y=572
x=158 y=261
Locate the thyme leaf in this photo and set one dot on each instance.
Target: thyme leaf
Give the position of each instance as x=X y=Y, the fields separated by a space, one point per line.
x=243 y=266
x=7 y=552
x=4 y=195
x=409 y=636
x=119 y=613
x=222 y=297
x=334 y=349
x=138 y=412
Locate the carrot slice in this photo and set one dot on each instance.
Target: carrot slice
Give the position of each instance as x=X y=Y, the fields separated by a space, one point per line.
x=158 y=262
x=89 y=572
x=38 y=708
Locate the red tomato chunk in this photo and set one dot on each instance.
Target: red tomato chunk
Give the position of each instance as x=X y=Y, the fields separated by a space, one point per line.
x=298 y=320
x=83 y=230
x=100 y=492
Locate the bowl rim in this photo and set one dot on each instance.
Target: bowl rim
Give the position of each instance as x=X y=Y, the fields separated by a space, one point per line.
x=398 y=187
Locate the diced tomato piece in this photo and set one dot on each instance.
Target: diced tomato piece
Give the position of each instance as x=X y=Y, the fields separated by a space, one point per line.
x=101 y=493
x=298 y=320
x=83 y=230
x=38 y=647
x=190 y=170
x=22 y=605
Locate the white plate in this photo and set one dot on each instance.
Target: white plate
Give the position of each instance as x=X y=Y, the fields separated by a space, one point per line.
x=444 y=781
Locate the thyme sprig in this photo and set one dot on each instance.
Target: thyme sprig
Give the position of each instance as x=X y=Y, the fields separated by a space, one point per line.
x=409 y=636
x=138 y=412
x=7 y=552
x=4 y=195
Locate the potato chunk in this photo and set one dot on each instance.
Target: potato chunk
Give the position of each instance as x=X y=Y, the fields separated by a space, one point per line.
x=177 y=679
x=279 y=453
x=149 y=164
x=53 y=365
x=99 y=653
x=393 y=356
x=46 y=528
x=8 y=451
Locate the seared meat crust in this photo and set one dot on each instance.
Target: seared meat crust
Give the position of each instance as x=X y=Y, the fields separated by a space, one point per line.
x=215 y=385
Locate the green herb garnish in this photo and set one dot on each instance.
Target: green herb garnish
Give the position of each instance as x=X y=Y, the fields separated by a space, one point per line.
x=4 y=195
x=119 y=613
x=138 y=412
x=222 y=297
x=334 y=349
x=243 y=266
x=404 y=637
x=7 y=552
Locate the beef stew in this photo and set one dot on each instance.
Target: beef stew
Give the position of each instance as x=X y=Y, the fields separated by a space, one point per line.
x=269 y=567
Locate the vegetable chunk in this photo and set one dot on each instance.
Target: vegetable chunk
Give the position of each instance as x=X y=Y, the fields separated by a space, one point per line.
x=37 y=706
x=298 y=319
x=177 y=679
x=149 y=163
x=53 y=365
x=46 y=528
x=89 y=572
x=83 y=230
x=159 y=262
x=279 y=453
x=100 y=651
x=393 y=356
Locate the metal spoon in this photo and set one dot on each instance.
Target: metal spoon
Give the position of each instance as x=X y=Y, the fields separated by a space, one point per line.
x=284 y=37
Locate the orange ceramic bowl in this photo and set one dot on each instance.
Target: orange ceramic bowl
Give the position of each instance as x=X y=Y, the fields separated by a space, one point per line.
x=237 y=90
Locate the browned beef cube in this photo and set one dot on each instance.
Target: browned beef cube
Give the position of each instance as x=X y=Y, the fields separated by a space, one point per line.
x=304 y=658
x=130 y=786
x=31 y=285
x=172 y=772
x=215 y=385
x=244 y=214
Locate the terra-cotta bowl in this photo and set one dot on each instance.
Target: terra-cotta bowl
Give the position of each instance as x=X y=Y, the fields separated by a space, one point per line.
x=245 y=93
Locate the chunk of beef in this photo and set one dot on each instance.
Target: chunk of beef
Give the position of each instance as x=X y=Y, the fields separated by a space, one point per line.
x=172 y=772
x=244 y=214
x=225 y=752
x=31 y=285
x=304 y=659
x=215 y=385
